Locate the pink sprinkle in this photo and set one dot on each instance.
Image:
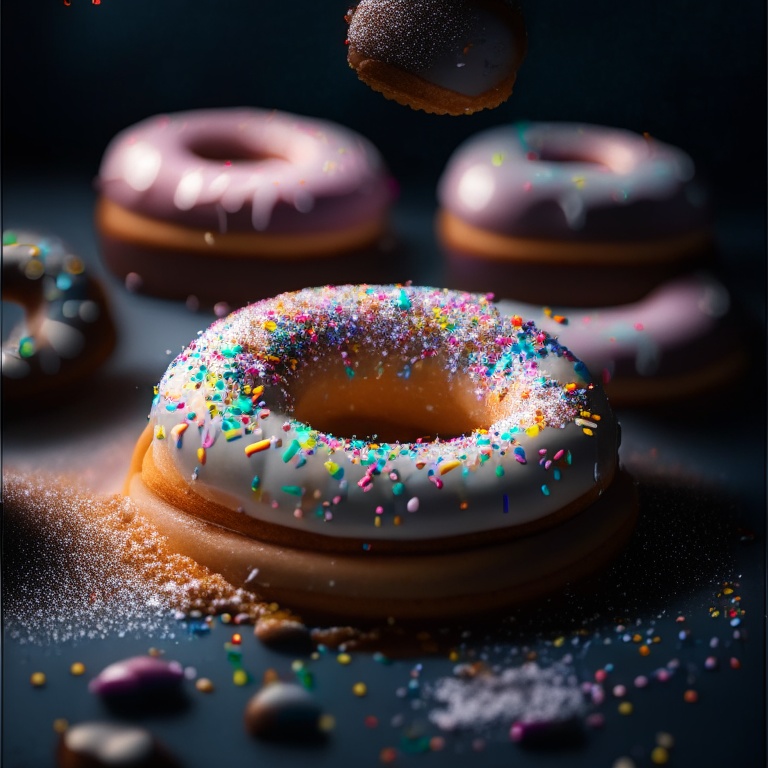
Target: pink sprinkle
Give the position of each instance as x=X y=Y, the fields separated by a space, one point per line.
x=663 y=675
x=710 y=663
x=547 y=464
x=379 y=510
x=596 y=720
x=639 y=326
x=606 y=376
x=619 y=691
x=336 y=499
x=558 y=456
x=413 y=504
x=641 y=681
x=598 y=695
x=298 y=513
x=520 y=459
x=516 y=732
x=542 y=451
x=527 y=187
x=601 y=675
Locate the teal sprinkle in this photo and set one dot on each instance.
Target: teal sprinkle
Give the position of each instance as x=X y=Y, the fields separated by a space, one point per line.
x=27 y=347
x=170 y=407
x=63 y=282
x=398 y=489
x=306 y=678
x=256 y=483
x=557 y=474
x=9 y=238
x=291 y=451
x=464 y=471
x=191 y=415
x=228 y=424
x=302 y=462
x=484 y=457
x=403 y=302
x=506 y=436
x=483 y=441
x=219 y=385
x=350 y=373
x=294 y=490
x=499 y=471
x=569 y=458
x=545 y=490
x=381 y=658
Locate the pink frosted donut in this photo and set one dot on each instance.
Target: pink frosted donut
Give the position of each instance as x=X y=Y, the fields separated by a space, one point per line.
x=567 y=213
x=236 y=204
x=653 y=350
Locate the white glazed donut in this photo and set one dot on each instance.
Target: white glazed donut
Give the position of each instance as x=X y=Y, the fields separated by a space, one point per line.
x=376 y=422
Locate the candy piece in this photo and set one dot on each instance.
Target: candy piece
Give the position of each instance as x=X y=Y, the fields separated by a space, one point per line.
x=447 y=58
x=111 y=745
x=137 y=676
x=284 y=634
x=283 y=711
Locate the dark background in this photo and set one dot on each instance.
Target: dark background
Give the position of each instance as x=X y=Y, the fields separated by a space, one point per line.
x=688 y=72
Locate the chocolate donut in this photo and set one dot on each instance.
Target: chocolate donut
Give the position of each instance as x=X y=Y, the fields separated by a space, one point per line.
x=570 y=214
x=238 y=204
x=451 y=58
x=66 y=332
x=383 y=450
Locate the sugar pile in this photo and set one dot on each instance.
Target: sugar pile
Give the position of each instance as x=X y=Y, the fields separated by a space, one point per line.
x=530 y=694
x=80 y=565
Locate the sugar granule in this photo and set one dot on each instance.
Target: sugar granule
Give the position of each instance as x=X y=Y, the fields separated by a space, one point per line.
x=80 y=565
x=528 y=694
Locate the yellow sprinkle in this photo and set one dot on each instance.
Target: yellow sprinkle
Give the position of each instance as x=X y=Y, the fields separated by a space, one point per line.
x=178 y=431
x=77 y=668
x=660 y=756
x=37 y=679
x=160 y=432
x=60 y=725
x=273 y=606
x=359 y=689
x=532 y=431
x=727 y=591
x=204 y=685
x=559 y=642
x=595 y=417
x=377 y=521
x=343 y=658
x=587 y=431
x=262 y=445
x=240 y=677
x=448 y=466
x=637 y=638
x=201 y=455
x=657 y=639
x=453 y=656
x=270 y=325
x=326 y=723
x=257 y=392
x=625 y=708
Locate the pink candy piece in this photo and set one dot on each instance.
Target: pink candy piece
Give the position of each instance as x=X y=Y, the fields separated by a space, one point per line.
x=138 y=675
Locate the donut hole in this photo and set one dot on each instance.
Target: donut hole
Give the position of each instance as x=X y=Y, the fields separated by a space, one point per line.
x=386 y=401
x=229 y=149
x=607 y=156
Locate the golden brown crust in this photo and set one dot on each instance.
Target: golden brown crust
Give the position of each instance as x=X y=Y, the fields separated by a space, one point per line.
x=493 y=246
x=415 y=92
x=367 y=585
x=112 y=220
x=161 y=476
x=659 y=390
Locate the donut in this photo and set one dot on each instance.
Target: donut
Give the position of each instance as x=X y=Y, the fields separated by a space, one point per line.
x=238 y=204
x=383 y=451
x=570 y=214
x=654 y=350
x=446 y=58
x=66 y=332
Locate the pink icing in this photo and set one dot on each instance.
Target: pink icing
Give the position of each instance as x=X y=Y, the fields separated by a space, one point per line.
x=573 y=182
x=672 y=330
x=246 y=170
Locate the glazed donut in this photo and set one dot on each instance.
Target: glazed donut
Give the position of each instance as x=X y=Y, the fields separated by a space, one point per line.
x=237 y=204
x=570 y=214
x=383 y=450
x=66 y=332
x=654 y=350
x=447 y=58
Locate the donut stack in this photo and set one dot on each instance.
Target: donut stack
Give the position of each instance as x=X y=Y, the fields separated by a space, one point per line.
x=601 y=233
